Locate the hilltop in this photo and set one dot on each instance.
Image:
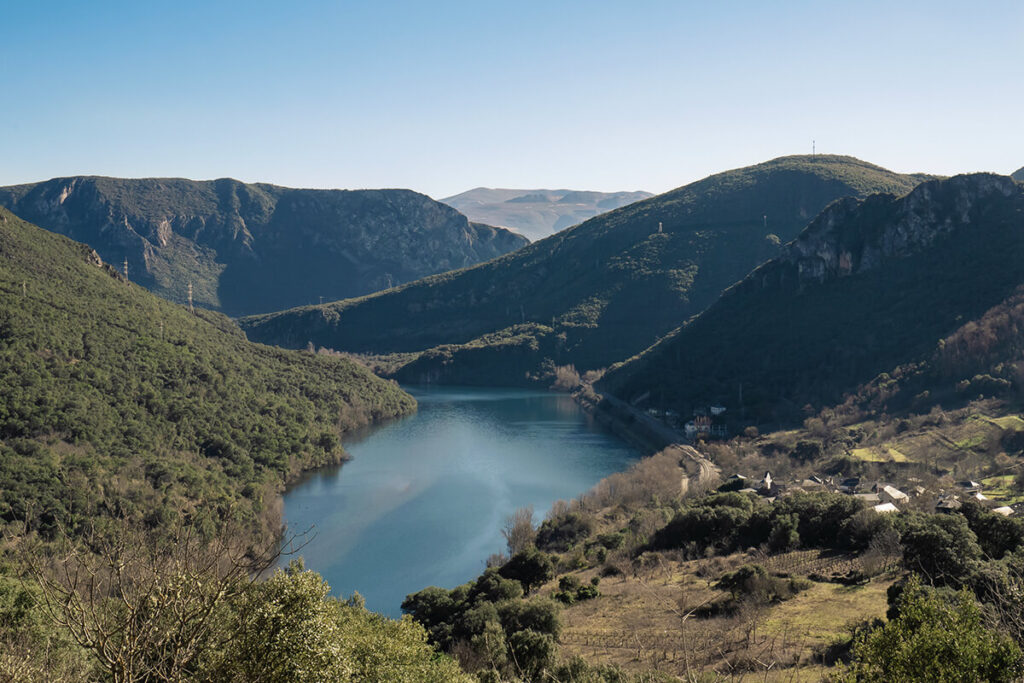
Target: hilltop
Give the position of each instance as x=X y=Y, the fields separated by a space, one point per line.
x=1018 y=175
x=538 y=213
x=119 y=404
x=593 y=294
x=251 y=248
x=870 y=285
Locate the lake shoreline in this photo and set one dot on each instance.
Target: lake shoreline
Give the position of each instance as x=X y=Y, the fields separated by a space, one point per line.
x=623 y=421
x=422 y=500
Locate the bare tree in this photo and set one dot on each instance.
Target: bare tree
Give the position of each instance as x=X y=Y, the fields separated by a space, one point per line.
x=143 y=604
x=518 y=531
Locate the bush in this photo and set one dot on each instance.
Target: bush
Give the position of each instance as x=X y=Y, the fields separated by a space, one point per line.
x=558 y=535
x=941 y=547
x=934 y=639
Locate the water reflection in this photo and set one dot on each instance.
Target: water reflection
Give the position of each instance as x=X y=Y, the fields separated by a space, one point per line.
x=423 y=500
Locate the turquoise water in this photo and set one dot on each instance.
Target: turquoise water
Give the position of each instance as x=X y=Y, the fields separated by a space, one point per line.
x=424 y=499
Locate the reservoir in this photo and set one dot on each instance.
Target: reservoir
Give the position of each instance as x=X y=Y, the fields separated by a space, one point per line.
x=424 y=499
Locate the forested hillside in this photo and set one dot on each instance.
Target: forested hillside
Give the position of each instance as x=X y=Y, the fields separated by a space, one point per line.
x=251 y=248
x=870 y=285
x=117 y=403
x=593 y=294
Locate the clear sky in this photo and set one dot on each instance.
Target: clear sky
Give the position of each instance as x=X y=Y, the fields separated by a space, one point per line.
x=443 y=96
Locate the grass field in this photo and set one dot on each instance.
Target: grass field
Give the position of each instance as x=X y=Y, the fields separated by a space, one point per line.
x=649 y=621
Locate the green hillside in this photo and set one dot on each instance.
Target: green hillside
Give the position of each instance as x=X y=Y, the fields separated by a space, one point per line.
x=118 y=403
x=868 y=286
x=250 y=248
x=596 y=293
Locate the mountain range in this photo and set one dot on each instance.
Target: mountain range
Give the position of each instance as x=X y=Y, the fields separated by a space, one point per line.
x=248 y=248
x=871 y=285
x=538 y=213
x=593 y=294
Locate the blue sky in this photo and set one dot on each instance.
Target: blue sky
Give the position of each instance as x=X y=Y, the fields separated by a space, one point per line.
x=443 y=96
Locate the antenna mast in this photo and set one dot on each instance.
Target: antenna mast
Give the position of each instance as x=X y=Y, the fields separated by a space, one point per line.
x=125 y=267
x=190 y=308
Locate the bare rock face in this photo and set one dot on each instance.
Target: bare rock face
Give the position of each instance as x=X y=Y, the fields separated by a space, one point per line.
x=249 y=248
x=853 y=236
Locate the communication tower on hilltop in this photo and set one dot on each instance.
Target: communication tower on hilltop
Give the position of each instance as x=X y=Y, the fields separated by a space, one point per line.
x=190 y=308
x=126 y=268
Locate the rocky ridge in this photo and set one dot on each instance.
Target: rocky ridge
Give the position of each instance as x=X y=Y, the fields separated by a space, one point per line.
x=249 y=248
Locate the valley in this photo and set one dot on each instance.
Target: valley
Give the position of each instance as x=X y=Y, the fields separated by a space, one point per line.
x=520 y=342
x=870 y=363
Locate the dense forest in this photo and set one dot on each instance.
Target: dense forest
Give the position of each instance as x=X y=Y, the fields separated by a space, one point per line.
x=119 y=404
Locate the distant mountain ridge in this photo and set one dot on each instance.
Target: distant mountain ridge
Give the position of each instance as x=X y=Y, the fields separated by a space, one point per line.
x=249 y=248
x=1018 y=175
x=594 y=294
x=538 y=213
x=870 y=285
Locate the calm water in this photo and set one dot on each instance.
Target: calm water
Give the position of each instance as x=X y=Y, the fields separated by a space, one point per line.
x=424 y=499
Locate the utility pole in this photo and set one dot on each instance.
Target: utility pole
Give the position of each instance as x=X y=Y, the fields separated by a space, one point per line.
x=190 y=308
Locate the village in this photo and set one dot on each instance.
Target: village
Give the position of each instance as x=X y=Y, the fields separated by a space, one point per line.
x=882 y=497
x=942 y=495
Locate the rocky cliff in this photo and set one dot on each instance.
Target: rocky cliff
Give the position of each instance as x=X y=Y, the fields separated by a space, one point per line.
x=249 y=248
x=854 y=236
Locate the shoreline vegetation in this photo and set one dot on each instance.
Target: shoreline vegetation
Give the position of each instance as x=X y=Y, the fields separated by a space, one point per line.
x=142 y=448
